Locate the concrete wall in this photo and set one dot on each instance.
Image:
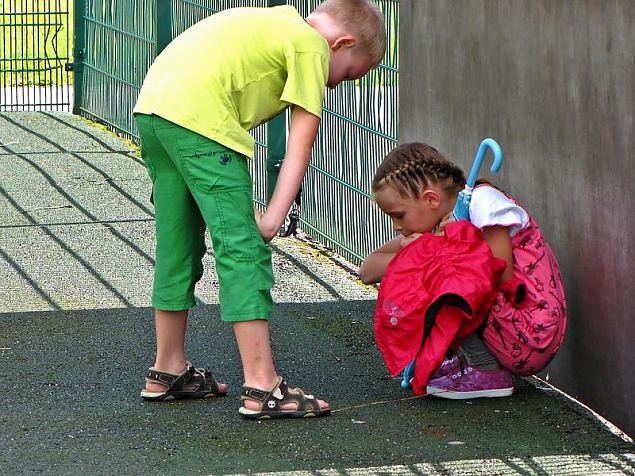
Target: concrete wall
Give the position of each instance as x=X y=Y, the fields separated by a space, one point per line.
x=553 y=81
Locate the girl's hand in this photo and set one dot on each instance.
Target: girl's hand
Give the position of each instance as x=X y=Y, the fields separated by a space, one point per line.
x=267 y=230
x=406 y=240
x=440 y=228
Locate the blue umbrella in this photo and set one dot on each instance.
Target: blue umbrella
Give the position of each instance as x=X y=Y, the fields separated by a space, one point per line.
x=461 y=210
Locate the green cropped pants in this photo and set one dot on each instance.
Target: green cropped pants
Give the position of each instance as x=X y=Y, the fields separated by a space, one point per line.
x=197 y=184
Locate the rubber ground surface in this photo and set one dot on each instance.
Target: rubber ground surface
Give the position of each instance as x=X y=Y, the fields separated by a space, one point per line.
x=76 y=337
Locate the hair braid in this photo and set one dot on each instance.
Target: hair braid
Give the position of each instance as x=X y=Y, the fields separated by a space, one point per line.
x=411 y=167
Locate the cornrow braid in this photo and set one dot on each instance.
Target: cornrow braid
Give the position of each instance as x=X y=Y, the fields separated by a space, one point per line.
x=412 y=167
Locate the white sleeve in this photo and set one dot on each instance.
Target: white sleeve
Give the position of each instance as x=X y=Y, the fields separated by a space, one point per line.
x=490 y=207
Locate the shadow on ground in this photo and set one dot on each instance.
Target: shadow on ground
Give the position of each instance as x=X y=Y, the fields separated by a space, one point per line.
x=70 y=404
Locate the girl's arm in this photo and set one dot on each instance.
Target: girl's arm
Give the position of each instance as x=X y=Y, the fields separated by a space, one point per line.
x=302 y=133
x=498 y=240
x=373 y=268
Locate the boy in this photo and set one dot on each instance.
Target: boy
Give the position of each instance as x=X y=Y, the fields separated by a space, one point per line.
x=219 y=79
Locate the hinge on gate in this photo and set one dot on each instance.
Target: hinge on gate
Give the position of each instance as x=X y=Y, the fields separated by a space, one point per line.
x=79 y=59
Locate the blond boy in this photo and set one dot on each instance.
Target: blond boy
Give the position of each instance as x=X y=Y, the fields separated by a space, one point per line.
x=219 y=79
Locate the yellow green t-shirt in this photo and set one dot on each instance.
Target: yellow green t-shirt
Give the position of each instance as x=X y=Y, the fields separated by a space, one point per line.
x=235 y=70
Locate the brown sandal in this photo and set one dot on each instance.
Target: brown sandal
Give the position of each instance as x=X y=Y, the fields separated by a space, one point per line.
x=193 y=383
x=272 y=401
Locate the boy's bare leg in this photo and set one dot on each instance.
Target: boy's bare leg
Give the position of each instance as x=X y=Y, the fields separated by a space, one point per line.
x=255 y=352
x=170 y=331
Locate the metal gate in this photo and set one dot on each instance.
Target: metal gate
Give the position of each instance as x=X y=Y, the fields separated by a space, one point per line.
x=35 y=39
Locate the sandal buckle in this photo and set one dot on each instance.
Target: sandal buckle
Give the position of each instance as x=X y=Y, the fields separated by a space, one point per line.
x=255 y=394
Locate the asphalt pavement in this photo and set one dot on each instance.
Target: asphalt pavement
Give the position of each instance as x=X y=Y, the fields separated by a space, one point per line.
x=76 y=336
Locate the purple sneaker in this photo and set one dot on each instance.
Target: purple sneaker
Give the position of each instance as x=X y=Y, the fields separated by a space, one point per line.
x=472 y=383
x=450 y=366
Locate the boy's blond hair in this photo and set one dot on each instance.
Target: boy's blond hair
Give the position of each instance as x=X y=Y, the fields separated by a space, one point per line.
x=361 y=18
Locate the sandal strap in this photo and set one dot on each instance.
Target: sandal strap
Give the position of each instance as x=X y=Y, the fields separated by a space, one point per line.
x=263 y=396
x=172 y=381
x=193 y=383
x=206 y=380
x=279 y=395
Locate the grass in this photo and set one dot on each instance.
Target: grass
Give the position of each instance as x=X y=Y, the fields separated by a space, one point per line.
x=36 y=37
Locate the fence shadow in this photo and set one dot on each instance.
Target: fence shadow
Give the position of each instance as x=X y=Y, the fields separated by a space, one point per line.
x=77 y=225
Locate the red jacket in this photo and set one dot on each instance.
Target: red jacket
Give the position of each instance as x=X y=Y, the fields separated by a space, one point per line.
x=435 y=291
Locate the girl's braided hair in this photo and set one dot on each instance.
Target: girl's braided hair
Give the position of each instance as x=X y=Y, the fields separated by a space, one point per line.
x=410 y=168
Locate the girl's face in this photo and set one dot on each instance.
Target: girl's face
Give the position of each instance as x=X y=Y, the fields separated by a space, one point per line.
x=410 y=214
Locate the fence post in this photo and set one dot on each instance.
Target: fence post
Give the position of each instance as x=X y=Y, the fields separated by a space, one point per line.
x=276 y=147
x=164 y=24
x=79 y=52
x=276 y=138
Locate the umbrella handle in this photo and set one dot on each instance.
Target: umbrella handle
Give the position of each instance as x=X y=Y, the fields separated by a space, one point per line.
x=407 y=374
x=478 y=160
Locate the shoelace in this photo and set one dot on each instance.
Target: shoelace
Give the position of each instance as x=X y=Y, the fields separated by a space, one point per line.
x=464 y=371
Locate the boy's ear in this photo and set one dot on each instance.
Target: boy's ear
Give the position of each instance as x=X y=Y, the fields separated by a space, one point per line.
x=346 y=41
x=432 y=198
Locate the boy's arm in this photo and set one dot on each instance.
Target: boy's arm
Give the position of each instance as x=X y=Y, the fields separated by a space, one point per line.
x=302 y=133
x=373 y=268
x=498 y=240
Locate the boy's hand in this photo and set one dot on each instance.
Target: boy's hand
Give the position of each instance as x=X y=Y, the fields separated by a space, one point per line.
x=267 y=230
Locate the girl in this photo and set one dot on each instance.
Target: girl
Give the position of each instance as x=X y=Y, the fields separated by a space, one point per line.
x=417 y=187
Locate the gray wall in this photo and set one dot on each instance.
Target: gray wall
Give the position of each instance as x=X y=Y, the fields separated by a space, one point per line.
x=553 y=82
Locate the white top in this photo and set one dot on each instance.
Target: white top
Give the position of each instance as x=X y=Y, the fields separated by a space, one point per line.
x=490 y=206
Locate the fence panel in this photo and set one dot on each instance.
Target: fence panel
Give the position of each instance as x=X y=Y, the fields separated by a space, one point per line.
x=359 y=127
x=113 y=52
x=34 y=39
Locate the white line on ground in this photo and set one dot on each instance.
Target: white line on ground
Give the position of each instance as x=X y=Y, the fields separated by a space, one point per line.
x=553 y=465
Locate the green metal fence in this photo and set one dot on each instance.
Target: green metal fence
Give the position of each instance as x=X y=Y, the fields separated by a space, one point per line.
x=34 y=39
x=359 y=127
x=116 y=42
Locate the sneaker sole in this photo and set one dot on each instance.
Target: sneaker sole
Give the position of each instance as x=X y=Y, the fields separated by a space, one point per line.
x=440 y=393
